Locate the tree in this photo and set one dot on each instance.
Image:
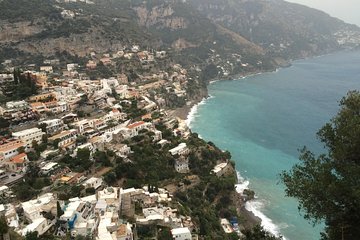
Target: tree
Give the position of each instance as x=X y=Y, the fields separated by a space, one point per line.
x=328 y=186
x=164 y=234
x=21 y=149
x=31 y=236
x=23 y=191
x=259 y=233
x=81 y=139
x=90 y=191
x=4 y=123
x=59 y=211
x=83 y=154
x=4 y=228
x=16 y=78
x=43 y=126
x=110 y=178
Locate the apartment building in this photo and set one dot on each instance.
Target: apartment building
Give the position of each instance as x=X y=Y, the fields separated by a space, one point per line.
x=29 y=135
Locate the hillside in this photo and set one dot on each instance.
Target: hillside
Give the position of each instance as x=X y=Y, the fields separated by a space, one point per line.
x=283 y=29
x=236 y=36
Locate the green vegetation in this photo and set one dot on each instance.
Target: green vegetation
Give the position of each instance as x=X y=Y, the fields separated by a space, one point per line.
x=22 y=87
x=327 y=186
x=20 y=9
x=147 y=159
x=80 y=163
x=65 y=192
x=4 y=228
x=132 y=109
x=32 y=183
x=258 y=233
x=212 y=197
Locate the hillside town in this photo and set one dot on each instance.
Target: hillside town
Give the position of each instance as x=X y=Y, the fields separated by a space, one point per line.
x=105 y=158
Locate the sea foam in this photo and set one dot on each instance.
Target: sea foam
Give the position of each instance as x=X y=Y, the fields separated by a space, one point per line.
x=256 y=206
x=194 y=111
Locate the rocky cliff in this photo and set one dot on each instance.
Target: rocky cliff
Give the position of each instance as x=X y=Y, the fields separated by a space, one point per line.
x=236 y=35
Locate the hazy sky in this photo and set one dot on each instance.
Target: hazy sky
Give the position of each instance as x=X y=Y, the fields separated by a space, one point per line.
x=347 y=10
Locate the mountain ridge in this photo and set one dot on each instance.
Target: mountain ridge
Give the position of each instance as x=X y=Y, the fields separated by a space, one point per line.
x=260 y=34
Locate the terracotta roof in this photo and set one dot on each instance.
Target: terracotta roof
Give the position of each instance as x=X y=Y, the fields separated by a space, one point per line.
x=121 y=231
x=146 y=116
x=20 y=158
x=62 y=134
x=134 y=125
x=36 y=104
x=11 y=146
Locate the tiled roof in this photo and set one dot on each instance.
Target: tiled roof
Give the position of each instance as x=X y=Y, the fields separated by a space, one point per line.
x=134 y=125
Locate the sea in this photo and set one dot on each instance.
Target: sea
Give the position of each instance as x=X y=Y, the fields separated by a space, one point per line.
x=264 y=119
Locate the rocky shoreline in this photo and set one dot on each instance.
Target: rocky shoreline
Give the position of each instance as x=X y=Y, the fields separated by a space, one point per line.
x=248 y=220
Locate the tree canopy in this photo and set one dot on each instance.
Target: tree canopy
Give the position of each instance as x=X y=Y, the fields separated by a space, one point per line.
x=328 y=186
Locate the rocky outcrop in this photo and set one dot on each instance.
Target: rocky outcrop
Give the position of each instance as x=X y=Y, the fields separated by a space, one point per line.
x=160 y=17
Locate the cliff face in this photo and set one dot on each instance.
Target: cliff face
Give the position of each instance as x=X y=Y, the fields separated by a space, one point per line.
x=161 y=16
x=76 y=28
x=284 y=29
x=257 y=34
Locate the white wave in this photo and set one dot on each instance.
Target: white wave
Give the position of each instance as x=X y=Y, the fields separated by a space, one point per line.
x=255 y=206
x=194 y=111
x=213 y=81
x=242 y=183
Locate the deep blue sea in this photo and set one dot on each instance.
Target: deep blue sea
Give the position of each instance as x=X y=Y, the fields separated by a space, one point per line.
x=264 y=119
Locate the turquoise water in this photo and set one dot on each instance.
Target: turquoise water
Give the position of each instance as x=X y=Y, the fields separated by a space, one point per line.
x=264 y=119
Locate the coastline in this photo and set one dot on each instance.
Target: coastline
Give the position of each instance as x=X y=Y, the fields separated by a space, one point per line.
x=248 y=208
x=183 y=112
x=244 y=205
x=248 y=218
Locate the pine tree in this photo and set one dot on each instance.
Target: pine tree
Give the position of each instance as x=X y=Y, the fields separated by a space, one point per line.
x=328 y=186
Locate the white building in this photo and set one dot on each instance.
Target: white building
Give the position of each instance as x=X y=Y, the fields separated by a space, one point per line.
x=72 y=66
x=93 y=183
x=220 y=169
x=138 y=126
x=17 y=105
x=110 y=195
x=66 y=138
x=32 y=211
x=82 y=125
x=114 y=115
x=181 y=149
x=10 y=149
x=29 y=135
x=48 y=69
x=39 y=225
x=53 y=125
x=182 y=165
x=50 y=166
x=181 y=233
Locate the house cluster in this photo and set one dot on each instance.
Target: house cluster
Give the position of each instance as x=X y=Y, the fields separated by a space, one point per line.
x=71 y=112
x=99 y=215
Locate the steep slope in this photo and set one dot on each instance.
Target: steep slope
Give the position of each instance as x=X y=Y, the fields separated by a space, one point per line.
x=56 y=27
x=235 y=36
x=193 y=36
x=46 y=28
x=284 y=29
